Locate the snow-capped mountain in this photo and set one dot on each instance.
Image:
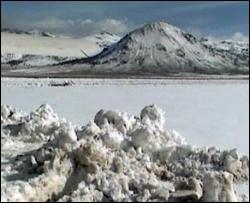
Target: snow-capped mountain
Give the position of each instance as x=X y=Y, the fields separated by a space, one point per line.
x=35 y=48
x=235 y=47
x=162 y=48
x=31 y=32
x=237 y=50
x=156 y=48
x=105 y=39
x=41 y=33
x=32 y=60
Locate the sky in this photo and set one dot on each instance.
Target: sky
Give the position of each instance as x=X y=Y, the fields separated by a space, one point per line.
x=215 y=19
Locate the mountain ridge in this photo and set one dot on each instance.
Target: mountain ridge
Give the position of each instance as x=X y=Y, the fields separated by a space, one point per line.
x=31 y=32
x=157 y=48
x=32 y=49
x=161 y=47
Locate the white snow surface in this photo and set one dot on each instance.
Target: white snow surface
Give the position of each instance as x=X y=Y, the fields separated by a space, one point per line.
x=203 y=99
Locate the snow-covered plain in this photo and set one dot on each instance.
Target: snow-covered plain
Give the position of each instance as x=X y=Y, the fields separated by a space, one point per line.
x=207 y=112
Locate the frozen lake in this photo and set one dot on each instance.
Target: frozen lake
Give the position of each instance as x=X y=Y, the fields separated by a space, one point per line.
x=206 y=113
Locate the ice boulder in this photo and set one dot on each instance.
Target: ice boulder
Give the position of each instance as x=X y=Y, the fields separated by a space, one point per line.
x=153 y=115
x=218 y=187
x=91 y=129
x=142 y=137
x=10 y=115
x=234 y=164
x=66 y=134
x=113 y=139
x=111 y=118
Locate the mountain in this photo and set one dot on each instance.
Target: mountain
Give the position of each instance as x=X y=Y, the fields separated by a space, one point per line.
x=155 y=49
x=32 y=60
x=235 y=47
x=237 y=50
x=14 y=31
x=35 y=48
x=105 y=39
x=41 y=33
x=32 y=32
x=162 y=48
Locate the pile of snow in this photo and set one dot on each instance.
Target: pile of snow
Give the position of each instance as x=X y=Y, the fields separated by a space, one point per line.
x=10 y=115
x=116 y=157
x=41 y=124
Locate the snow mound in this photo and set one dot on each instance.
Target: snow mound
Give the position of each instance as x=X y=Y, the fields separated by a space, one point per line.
x=115 y=157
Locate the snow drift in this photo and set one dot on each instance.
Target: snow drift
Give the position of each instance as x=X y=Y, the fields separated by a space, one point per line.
x=115 y=157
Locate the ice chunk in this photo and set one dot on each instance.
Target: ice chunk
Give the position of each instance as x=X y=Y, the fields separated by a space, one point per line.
x=153 y=115
x=218 y=187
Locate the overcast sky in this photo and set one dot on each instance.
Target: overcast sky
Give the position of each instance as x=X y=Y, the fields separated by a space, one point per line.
x=215 y=19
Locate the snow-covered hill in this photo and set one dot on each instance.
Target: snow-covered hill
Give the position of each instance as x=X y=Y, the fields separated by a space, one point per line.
x=104 y=39
x=35 y=48
x=32 y=60
x=162 y=48
x=237 y=50
x=235 y=47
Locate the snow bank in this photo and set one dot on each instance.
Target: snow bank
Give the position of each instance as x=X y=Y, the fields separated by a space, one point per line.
x=115 y=157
